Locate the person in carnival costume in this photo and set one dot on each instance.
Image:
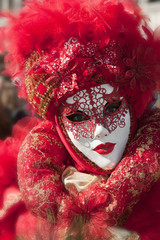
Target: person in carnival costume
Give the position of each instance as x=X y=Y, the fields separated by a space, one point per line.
x=90 y=168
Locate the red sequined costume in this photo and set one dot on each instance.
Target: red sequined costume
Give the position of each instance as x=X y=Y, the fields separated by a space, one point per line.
x=58 y=49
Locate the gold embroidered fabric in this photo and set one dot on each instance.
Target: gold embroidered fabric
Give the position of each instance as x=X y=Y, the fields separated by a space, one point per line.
x=41 y=161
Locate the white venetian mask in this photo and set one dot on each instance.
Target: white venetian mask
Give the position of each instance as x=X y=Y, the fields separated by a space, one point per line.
x=97 y=121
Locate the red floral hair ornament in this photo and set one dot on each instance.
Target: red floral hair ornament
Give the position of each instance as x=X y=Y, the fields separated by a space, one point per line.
x=57 y=48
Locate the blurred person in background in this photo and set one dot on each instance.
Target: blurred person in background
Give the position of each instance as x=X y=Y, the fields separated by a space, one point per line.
x=12 y=108
x=5 y=120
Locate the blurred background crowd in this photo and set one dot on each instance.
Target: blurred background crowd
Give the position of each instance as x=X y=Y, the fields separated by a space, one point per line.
x=11 y=107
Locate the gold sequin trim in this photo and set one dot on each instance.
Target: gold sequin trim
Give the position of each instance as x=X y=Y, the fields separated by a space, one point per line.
x=33 y=82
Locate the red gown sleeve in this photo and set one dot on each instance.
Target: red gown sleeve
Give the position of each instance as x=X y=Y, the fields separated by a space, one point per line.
x=41 y=161
x=145 y=218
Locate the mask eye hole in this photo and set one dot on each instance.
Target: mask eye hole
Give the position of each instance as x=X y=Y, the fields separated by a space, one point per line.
x=111 y=108
x=78 y=117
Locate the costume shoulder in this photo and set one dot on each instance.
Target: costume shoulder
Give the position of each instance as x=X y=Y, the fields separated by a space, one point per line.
x=41 y=161
x=138 y=170
x=145 y=218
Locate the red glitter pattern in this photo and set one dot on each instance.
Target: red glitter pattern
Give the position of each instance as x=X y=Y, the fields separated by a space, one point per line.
x=91 y=102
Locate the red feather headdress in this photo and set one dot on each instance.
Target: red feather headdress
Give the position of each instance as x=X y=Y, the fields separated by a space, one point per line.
x=57 y=48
